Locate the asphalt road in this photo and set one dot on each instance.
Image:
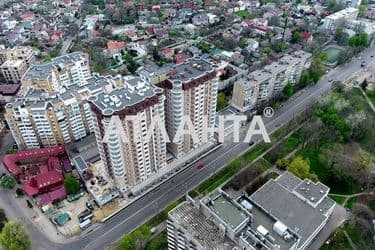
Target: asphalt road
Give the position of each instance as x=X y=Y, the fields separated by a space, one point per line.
x=153 y=202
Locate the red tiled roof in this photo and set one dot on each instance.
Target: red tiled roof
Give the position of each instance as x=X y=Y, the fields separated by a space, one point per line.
x=57 y=194
x=42 y=181
x=10 y=161
x=248 y=22
x=115 y=45
x=262 y=28
x=181 y=57
x=131 y=33
x=167 y=51
x=306 y=35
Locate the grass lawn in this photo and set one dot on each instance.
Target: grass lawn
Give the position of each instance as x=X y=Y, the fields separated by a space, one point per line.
x=244 y=14
x=286 y=147
x=338 y=240
x=371 y=205
x=340 y=200
x=371 y=95
x=350 y=203
x=143 y=233
x=361 y=241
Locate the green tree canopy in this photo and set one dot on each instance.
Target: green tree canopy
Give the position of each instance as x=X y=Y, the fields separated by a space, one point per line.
x=296 y=36
x=71 y=184
x=14 y=237
x=221 y=101
x=7 y=182
x=288 y=90
x=341 y=36
x=301 y=168
x=360 y=40
x=3 y=218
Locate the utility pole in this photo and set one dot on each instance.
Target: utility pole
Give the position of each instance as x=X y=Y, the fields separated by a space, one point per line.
x=286 y=17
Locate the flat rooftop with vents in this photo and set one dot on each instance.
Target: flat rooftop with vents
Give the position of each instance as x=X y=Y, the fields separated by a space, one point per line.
x=229 y=212
x=135 y=91
x=189 y=70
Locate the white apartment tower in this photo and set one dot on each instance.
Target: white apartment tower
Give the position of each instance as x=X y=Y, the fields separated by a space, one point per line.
x=39 y=119
x=132 y=160
x=191 y=91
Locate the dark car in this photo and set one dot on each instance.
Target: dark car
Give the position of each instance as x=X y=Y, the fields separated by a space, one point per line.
x=89 y=206
x=251 y=143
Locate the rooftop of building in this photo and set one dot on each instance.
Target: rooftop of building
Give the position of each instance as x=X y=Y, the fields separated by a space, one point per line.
x=261 y=226
x=9 y=89
x=41 y=72
x=277 y=199
x=199 y=227
x=343 y=13
x=227 y=210
x=276 y=67
x=40 y=98
x=135 y=90
x=12 y=63
x=189 y=70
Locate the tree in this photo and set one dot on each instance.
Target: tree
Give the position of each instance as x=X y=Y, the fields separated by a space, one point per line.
x=130 y=63
x=71 y=184
x=360 y=40
x=330 y=117
x=296 y=36
x=221 y=101
x=364 y=161
x=279 y=46
x=317 y=67
x=3 y=218
x=7 y=181
x=127 y=243
x=14 y=237
x=362 y=10
x=267 y=50
x=301 y=168
x=341 y=36
x=288 y=90
x=282 y=164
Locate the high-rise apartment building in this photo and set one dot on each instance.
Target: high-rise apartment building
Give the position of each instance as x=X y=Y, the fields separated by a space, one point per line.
x=13 y=70
x=64 y=71
x=43 y=119
x=261 y=85
x=52 y=107
x=128 y=152
x=25 y=53
x=191 y=91
x=15 y=61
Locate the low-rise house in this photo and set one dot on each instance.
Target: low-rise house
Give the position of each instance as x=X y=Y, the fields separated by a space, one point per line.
x=237 y=58
x=200 y=19
x=167 y=53
x=115 y=47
